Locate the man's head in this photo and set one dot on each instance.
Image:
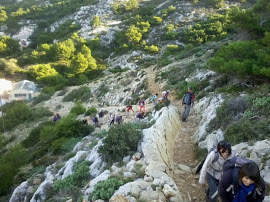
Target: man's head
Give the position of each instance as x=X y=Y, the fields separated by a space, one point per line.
x=189 y=89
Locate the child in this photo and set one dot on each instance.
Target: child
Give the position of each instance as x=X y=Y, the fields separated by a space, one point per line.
x=142 y=105
x=241 y=184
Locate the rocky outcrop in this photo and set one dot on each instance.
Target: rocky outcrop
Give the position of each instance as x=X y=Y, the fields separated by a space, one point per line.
x=206 y=107
x=157 y=149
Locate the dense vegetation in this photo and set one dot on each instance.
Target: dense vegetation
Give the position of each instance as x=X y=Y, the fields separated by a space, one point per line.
x=120 y=141
x=39 y=148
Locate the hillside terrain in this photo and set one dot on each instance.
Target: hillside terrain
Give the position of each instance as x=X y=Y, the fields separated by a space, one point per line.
x=92 y=56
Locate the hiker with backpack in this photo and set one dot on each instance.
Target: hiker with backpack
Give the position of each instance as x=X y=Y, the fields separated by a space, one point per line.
x=129 y=107
x=212 y=168
x=140 y=115
x=142 y=105
x=118 y=119
x=241 y=181
x=153 y=98
x=165 y=95
x=56 y=117
x=112 y=118
x=187 y=100
x=95 y=120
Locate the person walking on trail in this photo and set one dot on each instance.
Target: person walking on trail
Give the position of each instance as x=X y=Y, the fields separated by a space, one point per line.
x=187 y=101
x=165 y=95
x=241 y=182
x=140 y=115
x=129 y=107
x=100 y=114
x=142 y=105
x=95 y=120
x=56 y=117
x=212 y=168
x=118 y=119
x=112 y=118
x=153 y=98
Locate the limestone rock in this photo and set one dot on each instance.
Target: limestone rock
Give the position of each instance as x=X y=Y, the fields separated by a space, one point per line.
x=119 y=198
x=148 y=178
x=20 y=192
x=184 y=168
x=168 y=191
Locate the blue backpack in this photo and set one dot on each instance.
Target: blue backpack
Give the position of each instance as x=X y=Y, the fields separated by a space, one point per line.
x=187 y=98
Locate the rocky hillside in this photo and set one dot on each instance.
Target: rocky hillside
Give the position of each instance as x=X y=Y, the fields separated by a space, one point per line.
x=92 y=56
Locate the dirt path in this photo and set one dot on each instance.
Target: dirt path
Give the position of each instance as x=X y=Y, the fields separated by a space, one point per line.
x=184 y=154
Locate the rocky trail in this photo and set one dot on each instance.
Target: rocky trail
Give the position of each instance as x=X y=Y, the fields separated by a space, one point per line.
x=184 y=153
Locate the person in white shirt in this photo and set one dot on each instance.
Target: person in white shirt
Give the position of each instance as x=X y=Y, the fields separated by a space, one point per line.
x=212 y=168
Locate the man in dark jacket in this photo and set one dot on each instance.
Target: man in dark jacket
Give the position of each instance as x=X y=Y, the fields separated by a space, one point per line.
x=187 y=100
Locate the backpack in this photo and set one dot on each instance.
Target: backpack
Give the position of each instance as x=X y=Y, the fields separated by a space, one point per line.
x=187 y=98
x=214 y=148
x=235 y=164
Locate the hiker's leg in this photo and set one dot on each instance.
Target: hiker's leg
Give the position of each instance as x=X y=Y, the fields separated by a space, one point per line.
x=186 y=112
x=213 y=188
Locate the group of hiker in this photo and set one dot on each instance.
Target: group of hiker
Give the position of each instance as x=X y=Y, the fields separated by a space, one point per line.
x=230 y=176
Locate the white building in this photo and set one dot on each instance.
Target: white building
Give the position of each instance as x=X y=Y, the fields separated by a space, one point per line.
x=23 y=90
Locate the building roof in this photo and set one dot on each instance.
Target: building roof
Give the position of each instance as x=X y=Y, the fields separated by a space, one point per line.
x=25 y=85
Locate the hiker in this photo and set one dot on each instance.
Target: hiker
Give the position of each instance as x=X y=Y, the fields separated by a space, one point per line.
x=154 y=98
x=118 y=119
x=56 y=117
x=165 y=95
x=95 y=120
x=212 y=168
x=84 y=121
x=140 y=115
x=241 y=181
x=142 y=105
x=129 y=107
x=187 y=100
x=100 y=114
x=112 y=118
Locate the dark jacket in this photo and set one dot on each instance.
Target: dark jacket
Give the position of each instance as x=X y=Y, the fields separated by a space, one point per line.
x=229 y=186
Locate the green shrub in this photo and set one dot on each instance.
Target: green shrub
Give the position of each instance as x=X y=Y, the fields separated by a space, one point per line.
x=156 y=20
x=158 y=106
x=171 y=49
x=151 y=49
x=213 y=29
x=78 y=109
x=9 y=67
x=8 y=46
x=243 y=58
x=96 y=21
x=120 y=141
x=40 y=98
x=9 y=166
x=33 y=137
x=102 y=90
x=66 y=127
x=247 y=130
x=92 y=111
x=81 y=94
x=105 y=189
x=16 y=113
x=78 y=179
x=230 y=111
